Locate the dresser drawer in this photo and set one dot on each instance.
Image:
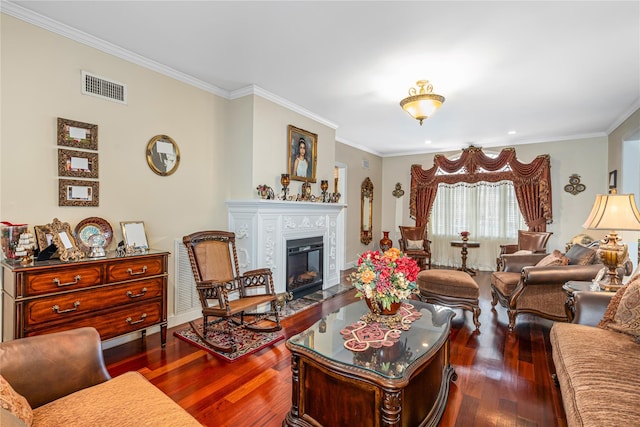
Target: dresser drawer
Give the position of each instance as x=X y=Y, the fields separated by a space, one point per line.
x=129 y=269
x=62 y=279
x=114 y=322
x=67 y=306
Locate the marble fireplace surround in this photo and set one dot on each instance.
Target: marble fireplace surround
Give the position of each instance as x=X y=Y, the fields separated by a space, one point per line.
x=262 y=228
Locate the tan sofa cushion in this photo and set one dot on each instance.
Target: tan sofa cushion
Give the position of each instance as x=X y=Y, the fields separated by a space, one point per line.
x=599 y=373
x=449 y=283
x=128 y=400
x=505 y=281
x=15 y=403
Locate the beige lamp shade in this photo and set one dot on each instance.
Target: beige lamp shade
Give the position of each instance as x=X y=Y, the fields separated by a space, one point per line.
x=614 y=212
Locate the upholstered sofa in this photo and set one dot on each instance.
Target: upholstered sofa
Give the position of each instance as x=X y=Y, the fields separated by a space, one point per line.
x=65 y=382
x=597 y=370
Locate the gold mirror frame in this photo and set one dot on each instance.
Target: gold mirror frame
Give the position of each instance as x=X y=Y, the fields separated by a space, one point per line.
x=163 y=155
x=366 y=211
x=62 y=237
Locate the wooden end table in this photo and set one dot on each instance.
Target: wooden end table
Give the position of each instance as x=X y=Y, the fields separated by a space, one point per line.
x=570 y=288
x=465 y=244
x=406 y=384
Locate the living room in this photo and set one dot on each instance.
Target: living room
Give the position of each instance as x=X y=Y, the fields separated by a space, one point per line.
x=229 y=143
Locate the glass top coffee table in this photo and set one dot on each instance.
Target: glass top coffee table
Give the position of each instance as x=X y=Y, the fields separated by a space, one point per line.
x=402 y=383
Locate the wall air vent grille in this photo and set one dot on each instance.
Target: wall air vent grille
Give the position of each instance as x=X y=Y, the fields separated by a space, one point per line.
x=102 y=88
x=186 y=294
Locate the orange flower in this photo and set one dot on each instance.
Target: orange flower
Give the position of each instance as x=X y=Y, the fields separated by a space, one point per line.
x=367 y=276
x=392 y=254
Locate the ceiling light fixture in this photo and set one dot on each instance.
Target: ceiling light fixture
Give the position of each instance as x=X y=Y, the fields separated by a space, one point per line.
x=421 y=102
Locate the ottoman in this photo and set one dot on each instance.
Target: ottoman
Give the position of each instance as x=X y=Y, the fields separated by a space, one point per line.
x=450 y=288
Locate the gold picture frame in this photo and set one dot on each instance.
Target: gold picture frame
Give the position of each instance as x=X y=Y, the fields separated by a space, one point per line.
x=163 y=155
x=78 y=164
x=298 y=161
x=62 y=237
x=73 y=192
x=44 y=238
x=72 y=133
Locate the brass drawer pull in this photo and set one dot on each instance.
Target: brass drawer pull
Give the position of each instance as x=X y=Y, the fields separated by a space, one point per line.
x=75 y=281
x=144 y=316
x=56 y=308
x=131 y=273
x=141 y=294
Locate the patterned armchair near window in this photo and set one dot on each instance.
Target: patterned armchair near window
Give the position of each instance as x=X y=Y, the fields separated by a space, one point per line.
x=414 y=243
x=535 y=242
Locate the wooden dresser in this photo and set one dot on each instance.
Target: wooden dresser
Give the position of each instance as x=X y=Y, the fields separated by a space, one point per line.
x=115 y=295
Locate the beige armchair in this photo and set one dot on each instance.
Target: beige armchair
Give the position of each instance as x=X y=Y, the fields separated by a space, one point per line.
x=533 y=241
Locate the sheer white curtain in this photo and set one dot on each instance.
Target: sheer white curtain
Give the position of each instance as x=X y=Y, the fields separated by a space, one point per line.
x=488 y=211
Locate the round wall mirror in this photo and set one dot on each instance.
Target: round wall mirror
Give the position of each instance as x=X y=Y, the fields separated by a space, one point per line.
x=163 y=155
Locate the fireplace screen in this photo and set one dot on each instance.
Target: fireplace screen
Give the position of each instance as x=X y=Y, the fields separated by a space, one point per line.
x=304 y=266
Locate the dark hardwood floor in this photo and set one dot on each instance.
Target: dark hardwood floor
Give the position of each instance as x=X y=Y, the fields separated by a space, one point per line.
x=504 y=378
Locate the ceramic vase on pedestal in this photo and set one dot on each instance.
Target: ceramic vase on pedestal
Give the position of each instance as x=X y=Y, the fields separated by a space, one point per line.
x=385 y=242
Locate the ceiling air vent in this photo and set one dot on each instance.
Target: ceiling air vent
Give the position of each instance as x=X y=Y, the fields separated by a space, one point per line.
x=102 y=88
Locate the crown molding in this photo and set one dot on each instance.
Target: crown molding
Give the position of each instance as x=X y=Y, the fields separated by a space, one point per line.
x=74 y=34
x=632 y=109
x=262 y=93
x=360 y=147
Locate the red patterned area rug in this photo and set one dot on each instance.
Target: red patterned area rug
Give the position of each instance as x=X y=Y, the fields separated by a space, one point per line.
x=247 y=341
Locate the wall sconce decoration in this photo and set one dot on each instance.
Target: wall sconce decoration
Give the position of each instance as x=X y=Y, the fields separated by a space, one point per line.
x=398 y=192
x=574 y=187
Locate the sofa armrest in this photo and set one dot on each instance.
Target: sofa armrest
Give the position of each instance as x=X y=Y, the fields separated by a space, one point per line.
x=559 y=274
x=44 y=368
x=515 y=263
x=590 y=307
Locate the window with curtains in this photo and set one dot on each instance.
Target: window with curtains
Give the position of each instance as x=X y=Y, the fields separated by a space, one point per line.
x=489 y=211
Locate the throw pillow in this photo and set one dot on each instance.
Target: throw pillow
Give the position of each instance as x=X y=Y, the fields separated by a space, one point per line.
x=415 y=244
x=623 y=311
x=523 y=252
x=580 y=255
x=554 y=258
x=15 y=403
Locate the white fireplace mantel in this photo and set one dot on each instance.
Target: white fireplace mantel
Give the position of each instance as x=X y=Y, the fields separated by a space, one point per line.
x=262 y=228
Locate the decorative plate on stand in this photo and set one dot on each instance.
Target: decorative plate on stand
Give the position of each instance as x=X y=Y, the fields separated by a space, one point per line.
x=90 y=226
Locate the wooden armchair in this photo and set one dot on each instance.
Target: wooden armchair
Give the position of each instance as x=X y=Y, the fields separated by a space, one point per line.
x=224 y=293
x=534 y=241
x=414 y=243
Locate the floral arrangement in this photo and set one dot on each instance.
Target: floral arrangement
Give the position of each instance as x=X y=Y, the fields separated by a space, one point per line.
x=387 y=277
x=464 y=233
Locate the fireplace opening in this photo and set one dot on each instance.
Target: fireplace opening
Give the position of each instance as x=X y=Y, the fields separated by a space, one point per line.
x=304 y=266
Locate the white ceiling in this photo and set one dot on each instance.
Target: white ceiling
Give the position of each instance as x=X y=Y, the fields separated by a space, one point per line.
x=548 y=70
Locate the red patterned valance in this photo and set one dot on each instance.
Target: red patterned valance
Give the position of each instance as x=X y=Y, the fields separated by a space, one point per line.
x=532 y=182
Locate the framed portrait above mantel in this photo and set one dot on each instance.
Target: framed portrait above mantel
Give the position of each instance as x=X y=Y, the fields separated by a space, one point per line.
x=302 y=155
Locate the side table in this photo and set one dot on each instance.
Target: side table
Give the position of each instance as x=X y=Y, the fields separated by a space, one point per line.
x=465 y=244
x=572 y=286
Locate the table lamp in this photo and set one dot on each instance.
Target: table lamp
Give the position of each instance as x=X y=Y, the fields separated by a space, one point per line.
x=613 y=212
